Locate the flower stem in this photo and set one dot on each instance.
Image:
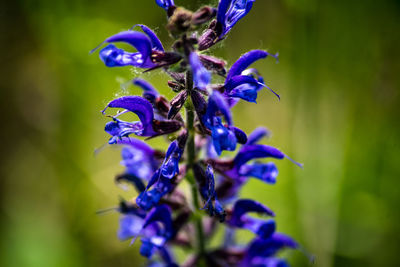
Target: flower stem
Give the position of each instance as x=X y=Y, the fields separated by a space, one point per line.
x=191 y=156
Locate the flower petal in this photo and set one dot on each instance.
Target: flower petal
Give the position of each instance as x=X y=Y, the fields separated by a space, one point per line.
x=269 y=262
x=223 y=138
x=147 y=248
x=249 y=152
x=133 y=179
x=161 y=214
x=130 y=226
x=245 y=61
x=165 y=3
x=138 y=105
x=244 y=206
x=265 y=172
x=138 y=40
x=155 y=41
x=138 y=162
x=257 y=135
x=222 y=8
x=115 y=57
x=216 y=102
x=149 y=92
x=118 y=129
x=230 y=12
x=270 y=246
x=170 y=167
x=201 y=76
x=206 y=183
x=240 y=135
x=238 y=80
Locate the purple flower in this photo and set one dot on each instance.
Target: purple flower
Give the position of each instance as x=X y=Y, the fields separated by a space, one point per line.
x=155 y=42
x=115 y=57
x=257 y=135
x=201 y=76
x=267 y=262
x=170 y=166
x=150 y=51
x=139 y=160
x=206 y=184
x=130 y=227
x=158 y=215
x=161 y=214
x=240 y=81
x=149 y=92
x=166 y=4
x=147 y=126
x=230 y=12
x=266 y=172
x=138 y=105
x=268 y=247
x=249 y=152
x=160 y=186
x=224 y=138
x=244 y=206
x=153 y=236
x=260 y=227
x=237 y=170
x=167 y=259
x=161 y=180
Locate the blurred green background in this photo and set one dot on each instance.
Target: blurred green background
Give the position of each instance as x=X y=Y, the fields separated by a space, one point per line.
x=338 y=77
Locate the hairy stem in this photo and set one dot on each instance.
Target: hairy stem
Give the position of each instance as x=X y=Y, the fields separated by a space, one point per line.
x=191 y=156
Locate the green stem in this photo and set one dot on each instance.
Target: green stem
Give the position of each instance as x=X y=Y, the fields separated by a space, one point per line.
x=191 y=156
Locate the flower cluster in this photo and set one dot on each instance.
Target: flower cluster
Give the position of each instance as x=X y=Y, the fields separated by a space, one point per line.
x=163 y=214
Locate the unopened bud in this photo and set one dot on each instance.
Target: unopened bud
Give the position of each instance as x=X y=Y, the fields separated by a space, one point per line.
x=203 y=15
x=177 y=103
x=213 y=64
x=180 y=21
x=175 y=86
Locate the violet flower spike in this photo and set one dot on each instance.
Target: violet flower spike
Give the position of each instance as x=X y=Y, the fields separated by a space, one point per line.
x=198 y=126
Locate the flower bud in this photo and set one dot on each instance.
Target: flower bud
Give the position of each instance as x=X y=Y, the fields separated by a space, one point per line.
x=180 y=21
x=203 y=15
x=213 y=64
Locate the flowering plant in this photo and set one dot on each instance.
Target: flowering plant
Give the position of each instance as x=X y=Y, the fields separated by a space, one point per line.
x=162 y=215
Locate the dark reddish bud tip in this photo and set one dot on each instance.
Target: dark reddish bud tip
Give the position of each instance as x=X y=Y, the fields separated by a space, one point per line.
x=203 y=15
x=214 y=64
x=166 y=127
x=177 y=103
x=171 y=11
x=162 y=105
x=177 y=76
x=165 y=58
x=206 y=40
x=209 y=37
x=182 y=138
x=175 y=86
x=199 y=103
x=179 y=21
